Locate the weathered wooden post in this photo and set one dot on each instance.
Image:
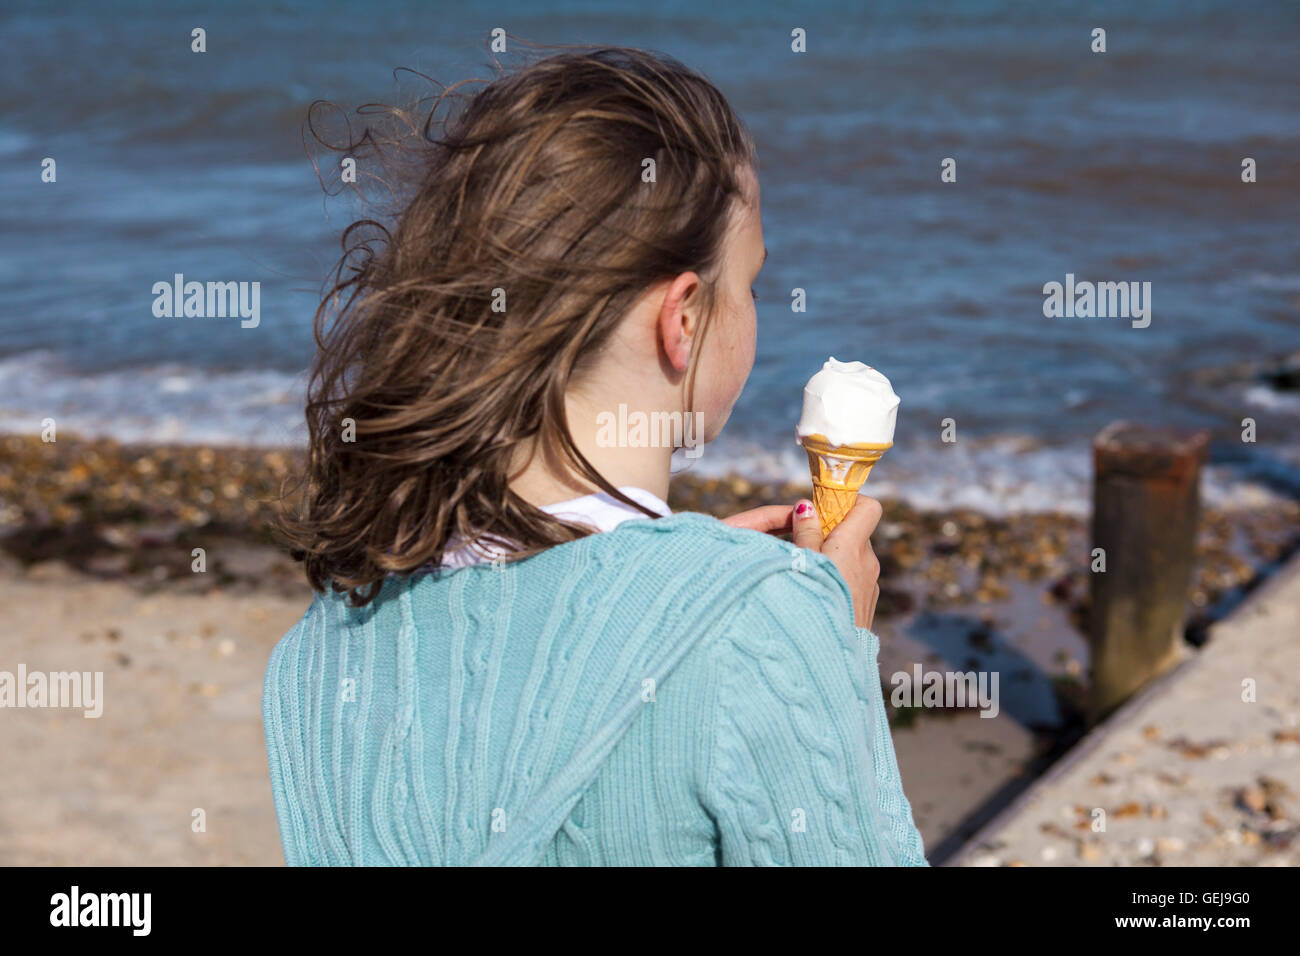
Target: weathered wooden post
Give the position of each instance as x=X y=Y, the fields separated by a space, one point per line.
x=1146 y=504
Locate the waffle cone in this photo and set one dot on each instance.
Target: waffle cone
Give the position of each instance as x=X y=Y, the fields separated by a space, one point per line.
x=838 y=472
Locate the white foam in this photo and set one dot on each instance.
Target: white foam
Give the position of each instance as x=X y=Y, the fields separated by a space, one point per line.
x=1264 y=397
x=168 y=403
x=178 y=404
x=996 y=475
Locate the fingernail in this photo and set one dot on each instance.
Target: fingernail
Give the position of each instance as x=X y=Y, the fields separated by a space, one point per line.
x=803 y=509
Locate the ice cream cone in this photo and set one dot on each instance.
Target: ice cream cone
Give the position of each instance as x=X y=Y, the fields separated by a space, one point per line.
x=838 y=471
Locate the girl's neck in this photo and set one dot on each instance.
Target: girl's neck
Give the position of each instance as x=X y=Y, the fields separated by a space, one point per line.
x=543 y=479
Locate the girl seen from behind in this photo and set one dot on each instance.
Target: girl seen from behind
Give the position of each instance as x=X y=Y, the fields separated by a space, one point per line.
x=517 y=654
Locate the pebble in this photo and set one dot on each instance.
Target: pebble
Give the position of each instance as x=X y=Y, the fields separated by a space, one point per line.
x=1252 y=798
x=1170 y=845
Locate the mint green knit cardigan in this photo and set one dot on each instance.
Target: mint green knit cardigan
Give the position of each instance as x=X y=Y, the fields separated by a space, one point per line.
x=672 y=692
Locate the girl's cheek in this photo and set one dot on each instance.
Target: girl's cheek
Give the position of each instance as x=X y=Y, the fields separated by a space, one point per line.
x=751 y=339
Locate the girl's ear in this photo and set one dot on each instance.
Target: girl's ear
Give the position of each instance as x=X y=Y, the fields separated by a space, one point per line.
x=678 y=318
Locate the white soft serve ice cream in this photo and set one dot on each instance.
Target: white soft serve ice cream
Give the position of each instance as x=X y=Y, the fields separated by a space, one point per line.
x=850 y=403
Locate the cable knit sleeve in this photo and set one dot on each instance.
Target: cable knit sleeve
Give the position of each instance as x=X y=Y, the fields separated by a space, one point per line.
x=801 y=768
x=889 y=782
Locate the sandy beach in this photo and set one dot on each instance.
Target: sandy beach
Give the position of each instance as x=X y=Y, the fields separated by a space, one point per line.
x=180 y=731
x=97 y=571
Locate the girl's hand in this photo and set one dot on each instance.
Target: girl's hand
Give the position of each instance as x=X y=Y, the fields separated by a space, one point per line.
x=770 y=519
x=848 y=546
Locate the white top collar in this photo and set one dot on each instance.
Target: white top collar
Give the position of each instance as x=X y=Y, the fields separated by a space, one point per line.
x=599 y=510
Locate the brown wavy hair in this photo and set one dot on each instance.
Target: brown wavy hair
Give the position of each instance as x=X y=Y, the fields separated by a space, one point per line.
x=533 y=187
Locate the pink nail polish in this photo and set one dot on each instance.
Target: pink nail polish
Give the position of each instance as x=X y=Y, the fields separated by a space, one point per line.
x=803 y=509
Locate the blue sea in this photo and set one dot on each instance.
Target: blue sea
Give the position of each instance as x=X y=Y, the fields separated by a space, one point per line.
x=1115 y=166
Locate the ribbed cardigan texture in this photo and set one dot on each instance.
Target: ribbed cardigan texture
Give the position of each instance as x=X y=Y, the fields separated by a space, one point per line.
x=672 y=692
